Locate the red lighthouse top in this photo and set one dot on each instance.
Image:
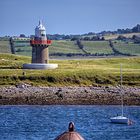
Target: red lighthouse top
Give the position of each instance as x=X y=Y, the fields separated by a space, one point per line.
x=41 y=42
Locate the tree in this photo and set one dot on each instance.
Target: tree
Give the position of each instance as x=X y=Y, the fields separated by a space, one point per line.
x=81 y=46
x=22 y=35
x=102 y=38
x=86 y=38
x=121 y=37
x=136 y=29
x=74 y=39
x=66 y=37
x=136 y=39
x=95 y=38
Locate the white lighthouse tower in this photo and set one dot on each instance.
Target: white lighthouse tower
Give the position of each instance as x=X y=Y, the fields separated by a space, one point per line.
x=40 y=52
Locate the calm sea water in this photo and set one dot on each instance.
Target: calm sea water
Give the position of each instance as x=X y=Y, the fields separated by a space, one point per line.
x=46 y=122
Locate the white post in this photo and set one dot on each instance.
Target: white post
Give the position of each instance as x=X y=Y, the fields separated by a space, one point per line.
x=121 y=88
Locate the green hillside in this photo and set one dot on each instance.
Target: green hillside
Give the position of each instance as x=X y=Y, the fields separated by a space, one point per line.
x=23 y=50
x=63 y=48
x=4 y=47
x=99 y=47
x=66 y=48
x=58 y=47
x=127 y=47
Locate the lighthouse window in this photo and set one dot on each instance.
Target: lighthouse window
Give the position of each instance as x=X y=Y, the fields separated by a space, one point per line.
x=42 y=35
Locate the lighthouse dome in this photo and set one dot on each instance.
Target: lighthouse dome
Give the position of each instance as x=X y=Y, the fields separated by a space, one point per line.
x=40 y=30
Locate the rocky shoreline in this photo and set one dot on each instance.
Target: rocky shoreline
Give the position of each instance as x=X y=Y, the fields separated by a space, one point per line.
x=29 y=95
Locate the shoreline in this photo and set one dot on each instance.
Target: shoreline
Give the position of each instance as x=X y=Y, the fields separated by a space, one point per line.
x=23 y=94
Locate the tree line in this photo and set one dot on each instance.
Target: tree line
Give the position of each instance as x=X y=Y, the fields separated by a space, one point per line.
x=95 y=36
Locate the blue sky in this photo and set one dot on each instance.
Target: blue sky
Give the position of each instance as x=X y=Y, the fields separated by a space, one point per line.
x=67 y=16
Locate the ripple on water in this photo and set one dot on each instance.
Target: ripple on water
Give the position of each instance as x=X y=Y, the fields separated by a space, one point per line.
x=46 y=122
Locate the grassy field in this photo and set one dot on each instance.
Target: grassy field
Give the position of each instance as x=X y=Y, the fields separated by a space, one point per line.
x=129 y=48
x=5 y=47
x=71 y=72
x=64 y=46
x=25 y=50
x=61 y=46
x=10 y=61
x=99 y=47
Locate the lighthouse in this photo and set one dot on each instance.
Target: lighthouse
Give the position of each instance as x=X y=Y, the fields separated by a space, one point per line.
x=40 y=51
x=40 y=45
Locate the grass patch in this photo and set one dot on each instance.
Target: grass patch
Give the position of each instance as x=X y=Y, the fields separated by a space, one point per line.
x=71 y=72
x=5 y=47
x=64 y=46
x=128 y=48
x=97 y=47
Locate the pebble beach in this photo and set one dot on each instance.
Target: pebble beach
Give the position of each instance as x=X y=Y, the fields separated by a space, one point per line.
x=30 y=95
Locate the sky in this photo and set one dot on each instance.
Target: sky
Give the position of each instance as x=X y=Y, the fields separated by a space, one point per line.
x=67 y=16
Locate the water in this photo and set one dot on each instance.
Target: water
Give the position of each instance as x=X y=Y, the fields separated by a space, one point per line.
x=47 y=122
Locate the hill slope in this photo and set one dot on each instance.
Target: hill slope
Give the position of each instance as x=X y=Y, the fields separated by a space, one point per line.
x=66 y=48
x=4 y=47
